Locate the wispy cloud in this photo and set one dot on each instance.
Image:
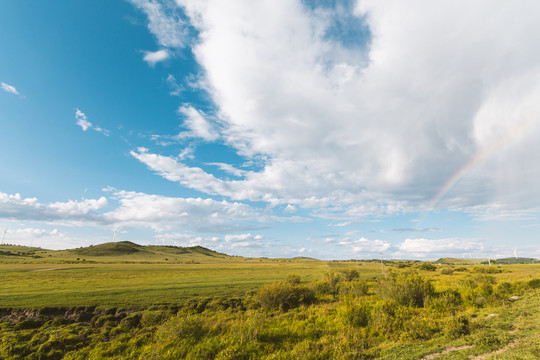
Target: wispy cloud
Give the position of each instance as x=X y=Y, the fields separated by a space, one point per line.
x=174 y=86
x=197 y=124
x=412 y=230
x=83 y=122
x=359 y=245
x=245 y=240
x=442 y=247
x=152 y=58
x=164 y=22
x=9 y=89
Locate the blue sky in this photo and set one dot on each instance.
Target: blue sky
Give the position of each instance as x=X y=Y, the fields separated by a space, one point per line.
x=329 y=129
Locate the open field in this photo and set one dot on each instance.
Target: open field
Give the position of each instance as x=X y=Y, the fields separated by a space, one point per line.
x=124 y=285
x=199 y=304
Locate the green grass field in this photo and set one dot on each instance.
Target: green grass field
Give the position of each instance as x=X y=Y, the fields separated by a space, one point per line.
x=125 y=301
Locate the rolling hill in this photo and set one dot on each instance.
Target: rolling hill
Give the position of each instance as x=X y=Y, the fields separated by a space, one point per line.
x=122 y=251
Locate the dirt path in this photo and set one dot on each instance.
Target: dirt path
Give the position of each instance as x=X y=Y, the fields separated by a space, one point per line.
x=446 y=351
x=503 y=349
x=49 y=269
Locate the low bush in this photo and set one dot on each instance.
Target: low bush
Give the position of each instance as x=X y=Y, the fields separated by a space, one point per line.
x=428 y=267
x=534 y=283
x=293 y=279
x=406 y=288
x=447 y=301
x=356 y=313
x=447 y=271
x=355 y=288
x=457 y=326
x=283 y=296
x=487 y=270
x=350 y=274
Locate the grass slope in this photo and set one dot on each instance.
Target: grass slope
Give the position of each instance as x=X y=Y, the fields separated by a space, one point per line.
x=113 y=252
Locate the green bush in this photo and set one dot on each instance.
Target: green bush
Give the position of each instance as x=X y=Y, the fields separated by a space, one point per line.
x=447 y=301
x=503 y=290
x=355 y=288
x=487 y=270
x=447 y=271
x=334 y=280
x=457 y=326
x=356 y=313
x=283 y=296
x=406 y=289
x=293 y=279
x=428 y=267
x=534 y=283
x=350 y=274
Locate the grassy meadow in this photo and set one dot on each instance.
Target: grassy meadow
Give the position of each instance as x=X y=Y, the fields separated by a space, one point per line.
x=125 y=301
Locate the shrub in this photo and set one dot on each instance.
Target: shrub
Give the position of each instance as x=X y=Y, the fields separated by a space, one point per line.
x=503 y=289
x=534 y=283
x=355 y=288
x=487 y=270
x=283 y=296
x=356 y=313
x=427 y=267
x=446 y=301
x=457 y=326
x=406 y=289
x=350 y=274
x=293 y=279
x=334 y=280
x=447 y=271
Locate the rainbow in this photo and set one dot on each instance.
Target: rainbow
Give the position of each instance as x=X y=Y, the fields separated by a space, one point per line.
x=480 y=156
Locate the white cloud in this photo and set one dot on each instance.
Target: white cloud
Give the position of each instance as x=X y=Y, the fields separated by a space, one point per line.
x=289 y=209
x=176 y=89
x=83 y=122
x=139 y=210
x=165 y=22
x=230 y=169
x=72 y=212
x=244 y=240
x=183 y=239
x=10 y=89
x=441 y=247
x=163 y=213
x=500 y=212
x=375 y=127
x=197 y=124
x=157 y=56
x=31 y=236
x=360 y=245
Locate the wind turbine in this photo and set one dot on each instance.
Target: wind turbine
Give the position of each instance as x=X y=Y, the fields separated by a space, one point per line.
x=4 y=236
x=114 y=237
x=515 y=253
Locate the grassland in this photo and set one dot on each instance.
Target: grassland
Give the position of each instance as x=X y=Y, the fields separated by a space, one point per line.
x=125 y=301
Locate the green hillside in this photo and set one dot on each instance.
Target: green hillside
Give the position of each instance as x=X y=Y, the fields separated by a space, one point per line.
x=121 y=248
x=503 y=261
x=112 y=252
x=518 y=260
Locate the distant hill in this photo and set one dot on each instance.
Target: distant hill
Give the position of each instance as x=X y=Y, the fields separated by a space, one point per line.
x=511 y=260
x=519 y=260
x=458 y=261
x=110 y=249
x=122 y=251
